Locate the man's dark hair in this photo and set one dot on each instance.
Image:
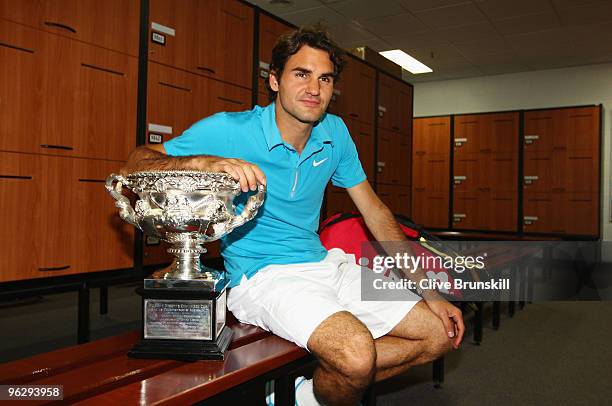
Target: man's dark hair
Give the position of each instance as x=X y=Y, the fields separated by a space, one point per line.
x=290 y=43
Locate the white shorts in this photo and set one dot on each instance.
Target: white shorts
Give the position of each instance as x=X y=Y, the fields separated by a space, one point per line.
x=292 y=300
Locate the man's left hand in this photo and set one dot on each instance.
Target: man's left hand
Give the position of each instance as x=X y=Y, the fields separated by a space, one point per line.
x=451 y=318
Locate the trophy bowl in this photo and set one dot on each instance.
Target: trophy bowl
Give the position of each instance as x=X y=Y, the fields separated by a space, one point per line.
x=184 y=305
x=185 y=209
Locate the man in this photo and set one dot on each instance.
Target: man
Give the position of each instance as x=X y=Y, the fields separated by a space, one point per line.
x=282 y=279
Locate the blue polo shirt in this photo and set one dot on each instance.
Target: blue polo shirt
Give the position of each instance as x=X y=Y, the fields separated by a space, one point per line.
x=285 y=228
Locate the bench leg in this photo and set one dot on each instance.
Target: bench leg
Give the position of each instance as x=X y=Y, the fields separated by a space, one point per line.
x=511 y=303
x=522 y=284
x=496 y=314
x=478 y=323
x=284 y=391
x=103 y=300
x=438 y=372
x=369 y=397
x=83 y=314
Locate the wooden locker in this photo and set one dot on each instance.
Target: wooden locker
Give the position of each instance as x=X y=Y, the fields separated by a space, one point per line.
x=225 y=41
x=500 y=172
x=112 y=24
x=67 y=97
x=431 y=173
x=430 y=209
x=356 y=97
x=397 y=198
x=224 y=97
x=21 y=82
x=467 y=135
x=582 y=130
x=385 y=101
x=467 y=173
x=338 y=201
x=543 y=213
x=177 y=23
x=107 y=242
x=500 y=209
x=363 y=137
x=581 y=213
x=543 y=131
x=403 y=110
x=499 y=133
x=270 y=30
x=467 y=213
x=431 y=135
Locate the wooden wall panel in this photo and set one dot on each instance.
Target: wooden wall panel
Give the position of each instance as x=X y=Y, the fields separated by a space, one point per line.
x=111 y=24
x=269 y=31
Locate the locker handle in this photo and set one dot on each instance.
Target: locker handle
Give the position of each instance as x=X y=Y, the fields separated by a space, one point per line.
x=205 y=69
x=420 y=189
x=114 y=72
x=420 y=153
x=92 y=180
x=54 y=268
x=56 y=147
x=558 y=189
x=355 y=115
x=364 y=134
x=238 y=102
x=185 y=89
x=15 y=177
x=396 y=128
x=4 y=44
x=559 y=148
x=485 y=150
x=59 y=25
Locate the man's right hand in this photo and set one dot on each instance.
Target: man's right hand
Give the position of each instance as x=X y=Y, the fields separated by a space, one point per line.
x=248 y=174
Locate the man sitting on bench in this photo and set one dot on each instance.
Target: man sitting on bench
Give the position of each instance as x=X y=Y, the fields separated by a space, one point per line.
x=282 y=278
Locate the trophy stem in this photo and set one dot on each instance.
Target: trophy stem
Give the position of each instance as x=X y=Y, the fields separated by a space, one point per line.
x=186 y=264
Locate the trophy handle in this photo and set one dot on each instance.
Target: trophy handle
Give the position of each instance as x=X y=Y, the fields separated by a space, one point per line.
x=250 y=208
x=114 y=185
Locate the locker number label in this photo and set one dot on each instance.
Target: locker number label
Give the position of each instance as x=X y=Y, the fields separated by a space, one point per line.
x=158 y=38
x=155 y=138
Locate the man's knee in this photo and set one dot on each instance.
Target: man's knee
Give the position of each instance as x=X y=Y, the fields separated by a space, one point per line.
x=357 y=360
x=344 y=346
x=438 y=342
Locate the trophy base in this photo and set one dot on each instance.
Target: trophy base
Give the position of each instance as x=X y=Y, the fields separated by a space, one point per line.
x=184 y=350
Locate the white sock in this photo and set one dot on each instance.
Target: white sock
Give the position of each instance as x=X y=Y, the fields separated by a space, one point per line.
x=304 y=392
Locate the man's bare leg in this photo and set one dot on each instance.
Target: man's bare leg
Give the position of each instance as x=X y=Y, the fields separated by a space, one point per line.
x=347 y=358
x=419 y=338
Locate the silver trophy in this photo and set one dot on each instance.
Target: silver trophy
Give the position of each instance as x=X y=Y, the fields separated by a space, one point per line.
x=184 y=304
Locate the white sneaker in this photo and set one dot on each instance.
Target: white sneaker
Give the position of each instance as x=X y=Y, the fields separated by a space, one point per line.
x=304 y=393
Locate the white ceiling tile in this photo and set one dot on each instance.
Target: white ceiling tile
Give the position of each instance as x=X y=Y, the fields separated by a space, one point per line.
x=527 y=23
x=365 y=10
x=502 y=58
x=315 y=15
x=398 y=25
x=487 y=46
x=451 y=16
x=418 y=5
x=349 y=35
x=469 y=33
x=541 y=41
x=438 y=55
x=378 y=44
x=560 y=4
x=418 y=39
x=500 y=69
x=499 y=9
x=589 y=14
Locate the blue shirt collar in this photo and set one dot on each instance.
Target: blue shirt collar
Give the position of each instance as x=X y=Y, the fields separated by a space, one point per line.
x=273 y=137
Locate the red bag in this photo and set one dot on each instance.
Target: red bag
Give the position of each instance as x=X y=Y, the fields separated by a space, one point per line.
x=349 y=232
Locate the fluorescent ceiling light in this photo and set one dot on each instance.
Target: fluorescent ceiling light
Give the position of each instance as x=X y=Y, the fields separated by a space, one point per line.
x=406 y=61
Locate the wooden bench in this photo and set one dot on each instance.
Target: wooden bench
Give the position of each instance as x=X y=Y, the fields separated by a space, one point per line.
x=100 y=372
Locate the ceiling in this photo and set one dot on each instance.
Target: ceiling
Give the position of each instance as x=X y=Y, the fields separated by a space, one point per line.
x=459 y=39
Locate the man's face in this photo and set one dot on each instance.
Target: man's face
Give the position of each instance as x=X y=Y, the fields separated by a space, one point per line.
x=306 y=84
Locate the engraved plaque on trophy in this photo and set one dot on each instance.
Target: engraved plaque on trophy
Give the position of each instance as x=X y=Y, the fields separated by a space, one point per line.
x=184 y=305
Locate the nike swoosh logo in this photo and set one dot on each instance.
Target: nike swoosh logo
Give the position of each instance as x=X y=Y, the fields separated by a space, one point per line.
x=315 y=163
